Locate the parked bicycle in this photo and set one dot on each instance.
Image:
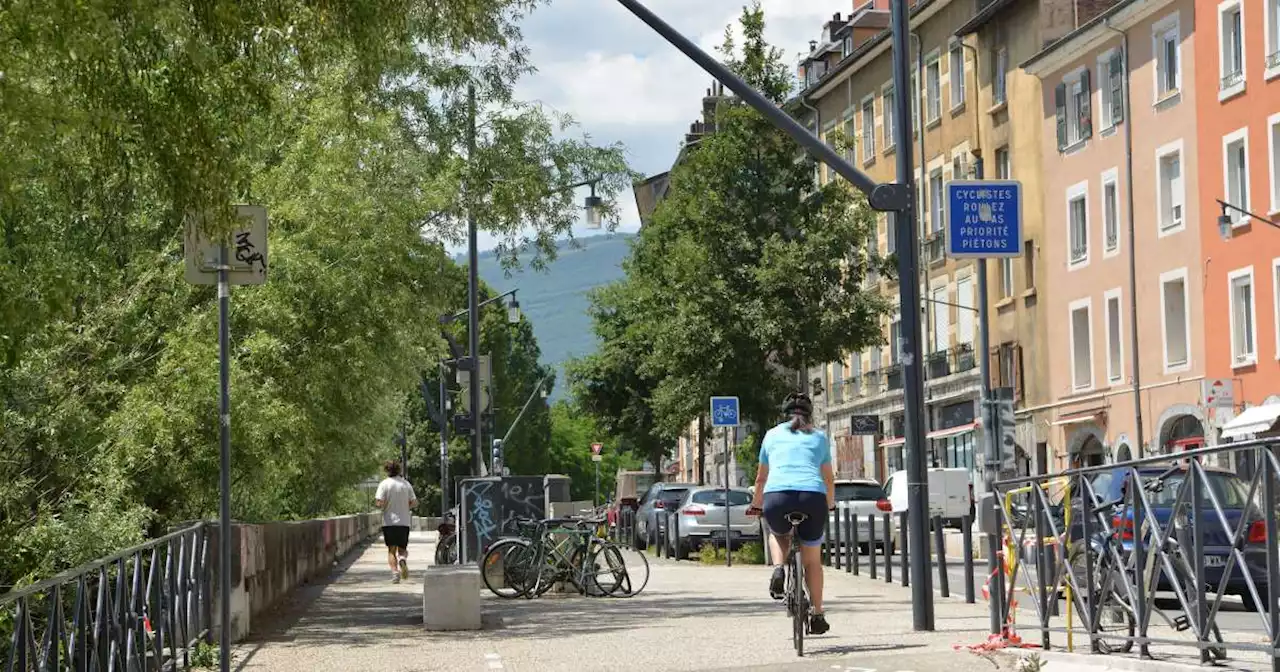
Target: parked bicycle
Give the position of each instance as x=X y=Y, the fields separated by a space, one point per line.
x=447 y=540
x=553 y=551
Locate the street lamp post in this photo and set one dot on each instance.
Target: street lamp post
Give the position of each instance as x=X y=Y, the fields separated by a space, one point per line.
x=895 y=197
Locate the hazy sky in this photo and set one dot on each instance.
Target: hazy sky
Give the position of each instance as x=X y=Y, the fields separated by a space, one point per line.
x=623 y=83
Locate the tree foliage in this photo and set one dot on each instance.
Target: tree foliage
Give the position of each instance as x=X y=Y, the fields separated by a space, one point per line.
x=348 y=121
x=746 y=271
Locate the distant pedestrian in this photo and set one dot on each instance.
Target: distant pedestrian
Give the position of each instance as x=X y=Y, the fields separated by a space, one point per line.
x=396 y=499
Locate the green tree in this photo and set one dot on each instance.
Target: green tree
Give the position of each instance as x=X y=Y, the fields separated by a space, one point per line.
x=572 y=433
x=746 y=271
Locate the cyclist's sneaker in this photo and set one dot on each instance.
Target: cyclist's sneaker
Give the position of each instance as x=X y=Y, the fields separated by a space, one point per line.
x=818 y=624
x=776 y=588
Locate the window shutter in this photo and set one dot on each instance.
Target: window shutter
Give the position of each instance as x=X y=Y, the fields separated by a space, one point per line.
x=1060 y=103
x=1117 y=88
x=994 y=364
x=1017 y=373
x=1086 y=105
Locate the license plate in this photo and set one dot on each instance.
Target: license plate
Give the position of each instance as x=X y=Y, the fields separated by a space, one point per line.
x=1215 y=561
x=733 y=534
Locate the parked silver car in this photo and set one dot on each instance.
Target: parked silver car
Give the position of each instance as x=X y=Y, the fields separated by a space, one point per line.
x=702 y=514
x=865 y=499
x=650 y=518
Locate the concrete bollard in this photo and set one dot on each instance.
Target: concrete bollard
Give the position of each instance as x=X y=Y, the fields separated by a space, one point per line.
x=451 y=597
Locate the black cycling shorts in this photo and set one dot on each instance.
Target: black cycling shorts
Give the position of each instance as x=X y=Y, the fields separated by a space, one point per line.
x=813 y=504
x=396 y=536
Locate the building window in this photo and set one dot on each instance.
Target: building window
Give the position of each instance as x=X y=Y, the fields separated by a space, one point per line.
x=1170 y=189
x=933 y=89
x=1231 y=49
x=1115 y=347
x=1235 y=172
x=1074 y=114
x=1273 y=38
x=999 y=73
x=890 y=105
x=965 y=314
x=1004 y=170
x=1244 y=335
x=1174 y=319
x=1275 y=299
x=1273 y=139
x=1111 y=89
x=1078 y=224
x=941 y=319
x=1165 y=43
x=957 y=76
x=1028 y=264
x=1006 y=277
x=895 y=333
x=1110 y=211
x=869 y=129
x=891 y=236
x=1081 y=345
x=960 y=165
x=936 y=212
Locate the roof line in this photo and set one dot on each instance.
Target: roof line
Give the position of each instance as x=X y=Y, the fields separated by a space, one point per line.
x=848 y=61
x=1084 y=28
x=983 y=17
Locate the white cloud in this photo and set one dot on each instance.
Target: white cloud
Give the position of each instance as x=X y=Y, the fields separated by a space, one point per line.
x=623 y=82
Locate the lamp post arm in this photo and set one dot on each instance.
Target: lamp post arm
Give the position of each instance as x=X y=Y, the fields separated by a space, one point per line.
x=1227 y=206
x=446 y=319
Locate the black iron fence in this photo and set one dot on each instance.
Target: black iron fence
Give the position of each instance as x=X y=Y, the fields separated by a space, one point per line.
x=144 y=608
x=1141 y=554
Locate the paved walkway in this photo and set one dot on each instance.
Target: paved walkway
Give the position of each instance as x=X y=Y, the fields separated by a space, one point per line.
x=690 y=617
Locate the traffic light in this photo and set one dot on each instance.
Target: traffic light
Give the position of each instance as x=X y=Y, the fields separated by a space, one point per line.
x=496 y=467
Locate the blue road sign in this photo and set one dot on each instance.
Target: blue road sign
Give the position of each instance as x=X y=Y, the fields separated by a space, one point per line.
x=984 y=219
x=724 y=411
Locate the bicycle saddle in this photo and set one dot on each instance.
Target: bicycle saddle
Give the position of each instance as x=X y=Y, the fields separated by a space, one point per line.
x=795 y=517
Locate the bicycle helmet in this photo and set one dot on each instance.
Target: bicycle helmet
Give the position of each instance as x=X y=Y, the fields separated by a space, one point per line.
x=797 y=403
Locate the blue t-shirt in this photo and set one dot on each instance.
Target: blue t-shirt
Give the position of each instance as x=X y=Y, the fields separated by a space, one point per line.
x=795 y=459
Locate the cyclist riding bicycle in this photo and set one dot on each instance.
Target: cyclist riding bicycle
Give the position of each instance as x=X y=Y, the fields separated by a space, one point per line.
x=795 y=476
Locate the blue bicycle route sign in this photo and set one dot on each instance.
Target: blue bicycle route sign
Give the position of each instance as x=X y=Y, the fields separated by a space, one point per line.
x=724 y=411
x=984 y=219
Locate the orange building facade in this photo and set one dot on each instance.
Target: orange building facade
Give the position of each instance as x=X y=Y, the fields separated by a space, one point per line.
x=1237 y=75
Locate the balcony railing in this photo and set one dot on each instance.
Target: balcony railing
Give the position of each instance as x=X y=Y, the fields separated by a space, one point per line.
x=893 y=377
x=1231 y=79
x=938 y=364
x=949 y=362
x=1273 y=60
x=935 y=248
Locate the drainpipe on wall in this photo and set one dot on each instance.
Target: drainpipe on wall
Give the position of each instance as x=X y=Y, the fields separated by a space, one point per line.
x=1133 y=253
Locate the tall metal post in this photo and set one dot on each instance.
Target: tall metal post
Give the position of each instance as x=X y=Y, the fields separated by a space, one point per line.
x=728 y=543
x=909 y=343
x=224 y=476
x=473 y=289
x=990 y=428
x=444 y=443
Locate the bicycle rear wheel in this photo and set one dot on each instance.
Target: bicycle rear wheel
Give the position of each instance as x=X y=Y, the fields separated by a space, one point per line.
x=800 y=604
x=507 y=568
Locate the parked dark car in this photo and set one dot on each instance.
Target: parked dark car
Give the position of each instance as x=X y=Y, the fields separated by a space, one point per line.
x=659 y=498
x=1228 y=489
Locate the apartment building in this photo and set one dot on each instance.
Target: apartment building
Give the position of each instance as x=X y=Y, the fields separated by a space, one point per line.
x=855 y=94
x=1237 y=57
x=1107 y=168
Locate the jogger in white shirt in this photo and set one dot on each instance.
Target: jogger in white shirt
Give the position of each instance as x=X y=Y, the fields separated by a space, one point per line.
x=396 y=499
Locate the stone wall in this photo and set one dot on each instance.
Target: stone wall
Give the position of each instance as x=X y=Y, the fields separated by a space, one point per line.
x=269 y=560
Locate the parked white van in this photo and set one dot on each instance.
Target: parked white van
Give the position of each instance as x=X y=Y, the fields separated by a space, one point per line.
x=950 y=494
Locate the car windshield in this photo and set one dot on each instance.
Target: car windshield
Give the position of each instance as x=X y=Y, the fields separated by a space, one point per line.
x=859 y=492
x=672 y=494
x=716 y=497
x=1229 y=490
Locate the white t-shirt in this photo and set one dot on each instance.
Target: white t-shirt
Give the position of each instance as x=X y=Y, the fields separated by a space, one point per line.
x=397 y=493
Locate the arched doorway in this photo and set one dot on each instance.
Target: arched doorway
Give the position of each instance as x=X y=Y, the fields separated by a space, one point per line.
x=1124 y=453
x=1091 y=453
x=1181 y=432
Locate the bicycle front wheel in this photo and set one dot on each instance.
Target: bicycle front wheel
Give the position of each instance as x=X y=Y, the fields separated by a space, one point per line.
x=507 y=568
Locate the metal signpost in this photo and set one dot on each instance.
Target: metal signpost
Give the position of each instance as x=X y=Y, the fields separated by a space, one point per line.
x=209 y=262
x=724 y=413
x=984 y=221
x=596 y=458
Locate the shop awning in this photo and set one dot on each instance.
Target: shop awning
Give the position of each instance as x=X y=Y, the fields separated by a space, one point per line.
x=1078 y=417
x=951 y=431
x=893 y=443
x=1253 y=421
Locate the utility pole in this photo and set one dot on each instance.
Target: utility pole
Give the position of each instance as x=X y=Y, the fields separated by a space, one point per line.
x=909 y=341
x=473 y=286
x=444 y=443
x=224 y=471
